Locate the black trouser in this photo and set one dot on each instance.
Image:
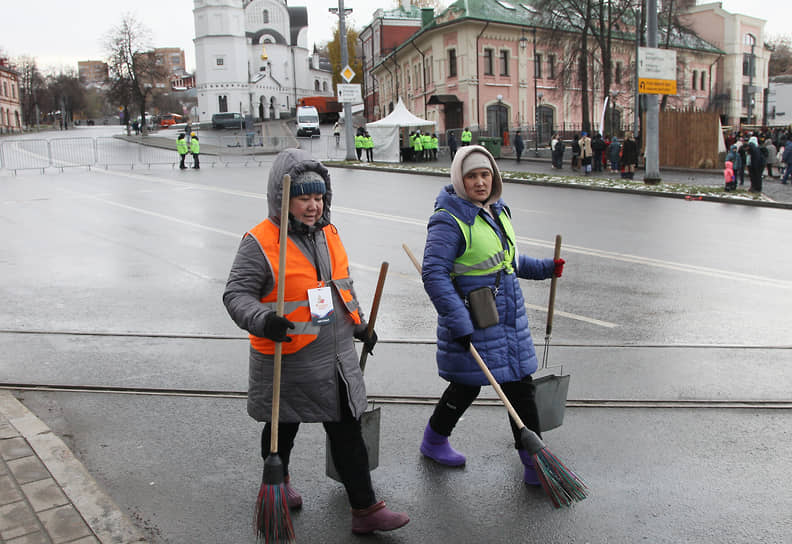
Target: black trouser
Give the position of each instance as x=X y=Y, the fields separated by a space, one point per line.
x=346 y=446
x=196 y=162
x=457 y=398
x=181 y=160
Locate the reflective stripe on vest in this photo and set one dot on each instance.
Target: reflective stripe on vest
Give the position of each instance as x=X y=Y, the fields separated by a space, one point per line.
x=301 y=277
x=484 y=253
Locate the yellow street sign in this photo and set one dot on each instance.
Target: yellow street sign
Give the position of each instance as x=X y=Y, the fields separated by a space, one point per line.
x=347 y=73
x=657 y=86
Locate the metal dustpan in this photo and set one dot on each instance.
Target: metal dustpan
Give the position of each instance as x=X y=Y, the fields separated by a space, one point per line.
x=370 y=419
x=551 y=390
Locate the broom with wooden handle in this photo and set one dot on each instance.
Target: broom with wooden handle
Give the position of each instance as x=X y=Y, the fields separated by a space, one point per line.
x=561 y=484
x=272 y=519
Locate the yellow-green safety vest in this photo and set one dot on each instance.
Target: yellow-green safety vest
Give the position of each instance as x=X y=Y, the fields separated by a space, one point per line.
x=484 y=253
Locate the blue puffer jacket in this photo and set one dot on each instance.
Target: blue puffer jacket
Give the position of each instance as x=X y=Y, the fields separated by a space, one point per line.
x=507 y=347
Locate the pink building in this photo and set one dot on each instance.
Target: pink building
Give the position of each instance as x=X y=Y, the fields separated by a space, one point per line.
x=499 y=65
x=10 y=99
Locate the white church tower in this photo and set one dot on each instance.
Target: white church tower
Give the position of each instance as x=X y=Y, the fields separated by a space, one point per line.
x=252 y=57
x=221 y=57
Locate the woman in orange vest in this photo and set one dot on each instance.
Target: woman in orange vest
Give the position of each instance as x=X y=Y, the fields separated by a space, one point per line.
x=321 y=379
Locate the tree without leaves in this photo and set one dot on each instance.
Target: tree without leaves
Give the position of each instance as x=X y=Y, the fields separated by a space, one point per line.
x=781 y=57
x=32 y=89
x=133 y=68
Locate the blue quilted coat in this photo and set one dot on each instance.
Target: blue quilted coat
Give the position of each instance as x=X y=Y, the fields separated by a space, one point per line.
x=507 y=347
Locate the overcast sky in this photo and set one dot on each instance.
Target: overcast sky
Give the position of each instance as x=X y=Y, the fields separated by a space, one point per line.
x=59 y=33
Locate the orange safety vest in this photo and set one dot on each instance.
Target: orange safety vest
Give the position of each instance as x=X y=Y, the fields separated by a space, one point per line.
x=301 y=277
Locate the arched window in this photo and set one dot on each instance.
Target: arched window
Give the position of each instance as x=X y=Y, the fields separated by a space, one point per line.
x=324 y=86
x=316 y=85
x=693 y=86
x=703 y=81
x=265 y=16
x=222 y=103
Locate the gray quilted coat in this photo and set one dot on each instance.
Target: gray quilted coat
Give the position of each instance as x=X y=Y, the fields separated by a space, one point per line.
x=309 y=380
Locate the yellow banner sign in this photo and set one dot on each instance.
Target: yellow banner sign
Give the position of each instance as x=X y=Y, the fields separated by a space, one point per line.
x=657 y=86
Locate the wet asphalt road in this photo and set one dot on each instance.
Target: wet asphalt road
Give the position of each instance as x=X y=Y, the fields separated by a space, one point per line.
x=661 y=300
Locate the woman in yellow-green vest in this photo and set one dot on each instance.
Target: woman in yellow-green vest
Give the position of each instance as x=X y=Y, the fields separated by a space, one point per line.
x=368 y=145
x=471 y=244
x=467 y=137
x=359 y=144
x=181 y=148
x=195 y=149
x=418 y=146
x=435 y=146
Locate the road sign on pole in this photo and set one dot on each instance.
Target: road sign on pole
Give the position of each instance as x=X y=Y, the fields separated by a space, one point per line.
x=657 y=71
x=347 y=73
x=349 y=93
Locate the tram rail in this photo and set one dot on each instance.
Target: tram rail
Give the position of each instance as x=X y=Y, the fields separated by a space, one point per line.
x=754 y=404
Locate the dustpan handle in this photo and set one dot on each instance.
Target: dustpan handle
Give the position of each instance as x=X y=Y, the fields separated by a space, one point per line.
x=374 y=310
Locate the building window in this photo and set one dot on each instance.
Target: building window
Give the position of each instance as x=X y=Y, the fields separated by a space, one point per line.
x=551 y=60
x=219 y=61
x=504 y=57
x=265 y=16
x=417 y=70
x=429 y=74
x=452 y=63
x=617 y=73
x=703 y=81
x=694 y=82
x=489 y=69
x=324 y=86
x=222 y=104
x=316 y=84
x=749 y=67
x=538 y=65
x=745 y=96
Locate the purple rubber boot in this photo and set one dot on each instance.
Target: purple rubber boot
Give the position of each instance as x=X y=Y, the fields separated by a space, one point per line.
x=530 y=477
x=293 y=497
x=436 y=447
x=377 y=518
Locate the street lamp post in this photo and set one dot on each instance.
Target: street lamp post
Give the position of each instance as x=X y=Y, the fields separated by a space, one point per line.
x=538 y=121
x=349 y=137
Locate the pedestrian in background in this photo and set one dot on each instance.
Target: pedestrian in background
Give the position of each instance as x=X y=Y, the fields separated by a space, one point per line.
x=629 y=156
x=368 y=145
x=598 y=147
x=576 y=152
x=586 y=152
x=452 y=145
x=755 y=164
x=470 y=245
x=195 y=149
x=614 y=151
x=359 y=143
x=787 y=158
x=466 y=137
x=519 y=145
x=742 y=150
x=337 y=132
x=771 y=158
x=321 y=378
x=181 y=148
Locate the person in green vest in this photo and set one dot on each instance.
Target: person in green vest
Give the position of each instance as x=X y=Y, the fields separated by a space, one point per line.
x=195 y=149
x=466 y=137
x=359 y=144
x=368 y=145
x=418 y=146
x=181 y=148
x=471 y=246
x=435 y=146
x=426 y=142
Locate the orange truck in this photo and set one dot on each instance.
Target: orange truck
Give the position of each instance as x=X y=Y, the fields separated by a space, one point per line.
x=327 y=106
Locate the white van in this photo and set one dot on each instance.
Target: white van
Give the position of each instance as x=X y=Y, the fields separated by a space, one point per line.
x=307 y=121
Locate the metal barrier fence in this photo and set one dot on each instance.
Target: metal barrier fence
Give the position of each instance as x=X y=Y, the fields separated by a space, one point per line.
x=104 y=152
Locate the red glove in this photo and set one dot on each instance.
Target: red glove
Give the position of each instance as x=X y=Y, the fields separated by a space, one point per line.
x=559 y=267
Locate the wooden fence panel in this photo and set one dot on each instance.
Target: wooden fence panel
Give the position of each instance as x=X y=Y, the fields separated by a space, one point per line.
x=689 y=139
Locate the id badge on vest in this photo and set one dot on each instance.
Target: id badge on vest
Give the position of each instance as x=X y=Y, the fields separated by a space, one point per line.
x=320 y=301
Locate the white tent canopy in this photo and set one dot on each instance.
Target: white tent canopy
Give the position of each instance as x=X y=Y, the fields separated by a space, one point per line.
x=385 y=132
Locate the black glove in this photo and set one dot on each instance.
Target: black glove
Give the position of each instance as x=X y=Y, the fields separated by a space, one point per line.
x=361 y=333
x=275 y=328
x=464 y=341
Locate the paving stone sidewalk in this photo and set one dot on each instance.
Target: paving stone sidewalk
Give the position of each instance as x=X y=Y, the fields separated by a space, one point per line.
x=46 y=495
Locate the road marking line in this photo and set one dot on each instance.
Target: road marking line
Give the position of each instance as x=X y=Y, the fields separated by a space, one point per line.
x=646 y=261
